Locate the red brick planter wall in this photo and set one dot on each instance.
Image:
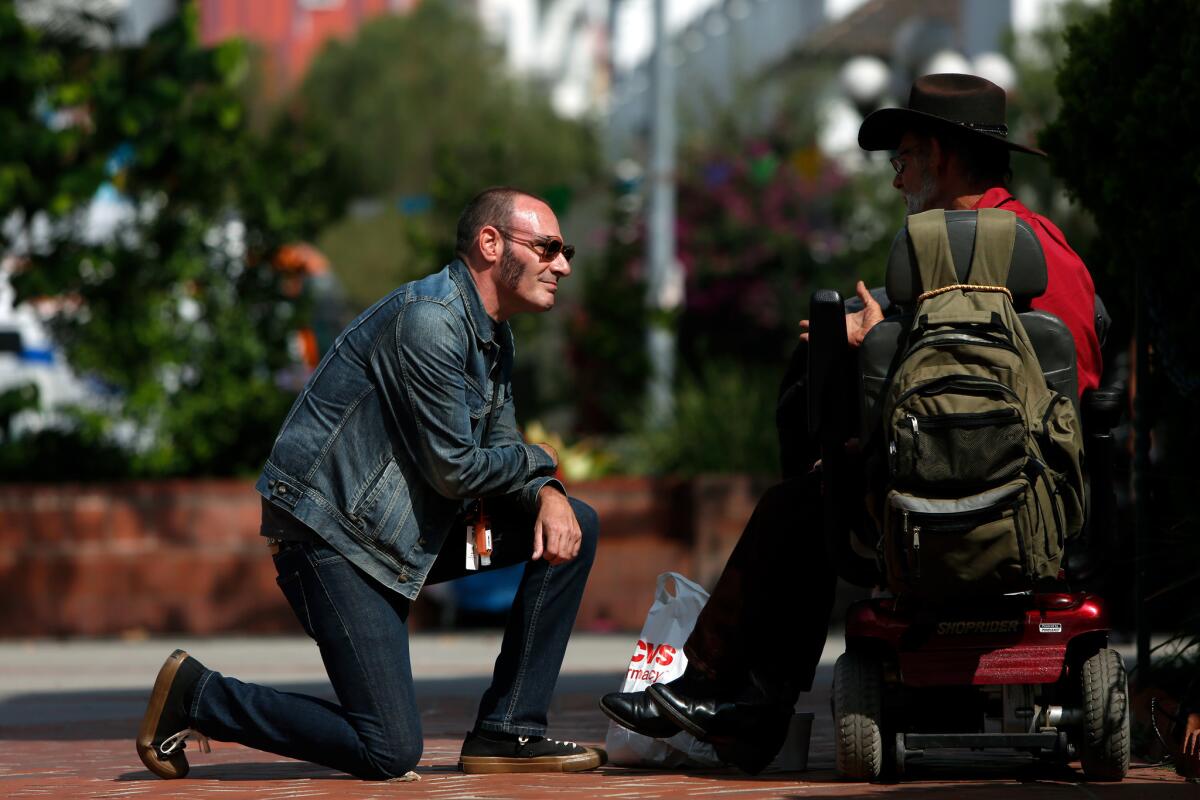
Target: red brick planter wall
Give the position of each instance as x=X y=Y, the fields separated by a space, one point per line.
x=186 y=557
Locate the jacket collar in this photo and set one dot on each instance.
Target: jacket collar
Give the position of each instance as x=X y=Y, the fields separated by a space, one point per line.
x=484 y=327
x=998 y=197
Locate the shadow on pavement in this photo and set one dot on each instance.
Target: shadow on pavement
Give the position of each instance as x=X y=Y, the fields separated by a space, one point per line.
x=448 y=709
x=447 y=704
x=276 y=771
x=249 y=771
x=983 y=782
x=967 y=774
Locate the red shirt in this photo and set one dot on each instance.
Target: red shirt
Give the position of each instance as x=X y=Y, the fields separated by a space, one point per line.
x=1070 y=294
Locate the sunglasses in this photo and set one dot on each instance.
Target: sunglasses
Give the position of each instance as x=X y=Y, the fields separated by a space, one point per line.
x=547 y=248
x=898 y=162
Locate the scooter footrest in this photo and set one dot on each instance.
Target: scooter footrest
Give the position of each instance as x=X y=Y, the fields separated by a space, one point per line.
x=1048 y=740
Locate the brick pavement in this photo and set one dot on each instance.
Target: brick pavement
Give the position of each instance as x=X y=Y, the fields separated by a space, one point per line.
x=68 y=712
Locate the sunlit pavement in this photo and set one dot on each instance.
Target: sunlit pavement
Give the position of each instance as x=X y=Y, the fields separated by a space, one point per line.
x=69 y=712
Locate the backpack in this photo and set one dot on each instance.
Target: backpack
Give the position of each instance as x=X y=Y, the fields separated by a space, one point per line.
x=984 y=462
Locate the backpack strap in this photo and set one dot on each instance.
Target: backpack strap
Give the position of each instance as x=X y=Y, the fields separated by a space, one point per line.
x=995 y=237
x=931 y=246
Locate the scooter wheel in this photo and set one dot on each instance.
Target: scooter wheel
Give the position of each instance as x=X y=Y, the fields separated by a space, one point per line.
x=857 y=716
x=1104 y=746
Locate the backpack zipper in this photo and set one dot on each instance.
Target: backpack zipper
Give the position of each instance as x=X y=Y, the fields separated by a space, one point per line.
x=916 y=546
x=962 y=339
x=957 y=381
x=954 y=522
x=982 y=419
x=913 y=426
x=912 y=421
x=915 y=532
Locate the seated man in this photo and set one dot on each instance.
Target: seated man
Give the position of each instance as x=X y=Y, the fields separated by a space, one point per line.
x=951 y=152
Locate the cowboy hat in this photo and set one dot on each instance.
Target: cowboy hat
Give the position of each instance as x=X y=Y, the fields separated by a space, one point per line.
x=966 y=103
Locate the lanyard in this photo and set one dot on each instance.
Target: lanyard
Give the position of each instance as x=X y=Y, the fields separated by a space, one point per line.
x=479 y=533
x=487 y=425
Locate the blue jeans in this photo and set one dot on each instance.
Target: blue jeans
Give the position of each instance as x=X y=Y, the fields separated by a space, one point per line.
x=374 y=731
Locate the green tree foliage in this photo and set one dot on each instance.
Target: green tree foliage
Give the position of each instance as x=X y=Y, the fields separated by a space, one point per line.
x=1125 y=143
x=606 y=334
x=372 y=255
x=433 y=118
x=180 y=312
x=763 y=224
x=763 y=219
x=724 y=422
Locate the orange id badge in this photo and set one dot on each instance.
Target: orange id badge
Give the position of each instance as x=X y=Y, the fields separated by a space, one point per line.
x=483 y=536
x=479 y=539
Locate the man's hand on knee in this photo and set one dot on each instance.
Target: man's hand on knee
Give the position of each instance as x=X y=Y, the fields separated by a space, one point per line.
x=556 y=533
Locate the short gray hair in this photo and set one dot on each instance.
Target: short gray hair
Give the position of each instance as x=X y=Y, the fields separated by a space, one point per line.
x=492 y=206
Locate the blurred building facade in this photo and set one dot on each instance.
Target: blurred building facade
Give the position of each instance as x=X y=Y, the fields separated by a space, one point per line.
x=564 y=44
x=289 y=32
x=718 y=48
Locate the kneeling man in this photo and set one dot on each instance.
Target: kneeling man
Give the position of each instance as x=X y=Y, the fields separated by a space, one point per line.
x=373 y=489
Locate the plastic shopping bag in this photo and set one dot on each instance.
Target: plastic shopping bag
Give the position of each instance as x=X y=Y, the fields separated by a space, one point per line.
x=658 y=658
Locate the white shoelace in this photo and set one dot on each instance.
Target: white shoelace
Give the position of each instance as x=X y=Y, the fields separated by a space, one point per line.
x=176 y=742
x=524 y=740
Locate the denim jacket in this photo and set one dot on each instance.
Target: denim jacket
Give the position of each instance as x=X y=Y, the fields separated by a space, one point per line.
x=384 y=445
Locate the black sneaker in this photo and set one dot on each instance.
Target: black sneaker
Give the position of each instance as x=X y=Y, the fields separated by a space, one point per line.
x=490 y=752
x=166 y=726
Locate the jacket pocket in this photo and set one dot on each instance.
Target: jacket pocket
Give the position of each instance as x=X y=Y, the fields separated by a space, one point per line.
x=290 y=580
x=385 y=495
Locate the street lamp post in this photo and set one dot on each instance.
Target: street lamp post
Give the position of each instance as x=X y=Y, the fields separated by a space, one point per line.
x=664 y=281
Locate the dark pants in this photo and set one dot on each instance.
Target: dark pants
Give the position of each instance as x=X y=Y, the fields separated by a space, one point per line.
x=766 y=620
x=374 y=730
x=768 y=614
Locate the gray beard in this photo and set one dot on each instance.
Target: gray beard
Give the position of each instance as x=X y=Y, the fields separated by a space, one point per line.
x=509 y=270
x=918 y=201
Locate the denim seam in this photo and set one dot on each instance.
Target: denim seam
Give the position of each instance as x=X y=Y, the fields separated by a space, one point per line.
x=295 y=576
x=537 y=611
x=194 y=711
x=357 y=658
x=407 y=387
x=337 y=346
x=336 y=432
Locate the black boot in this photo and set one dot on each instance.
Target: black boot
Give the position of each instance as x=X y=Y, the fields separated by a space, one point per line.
x=757 y=747
x=635 y=711
x=746 y=729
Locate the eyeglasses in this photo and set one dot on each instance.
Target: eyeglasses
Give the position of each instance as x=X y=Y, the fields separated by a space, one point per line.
x=547 y=248
x=898 y=162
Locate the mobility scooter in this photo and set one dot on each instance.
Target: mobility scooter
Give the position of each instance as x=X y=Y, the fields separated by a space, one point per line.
x=1029 y=670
